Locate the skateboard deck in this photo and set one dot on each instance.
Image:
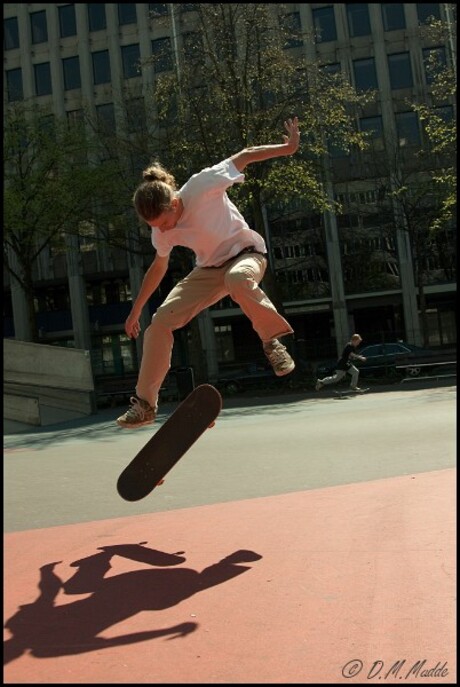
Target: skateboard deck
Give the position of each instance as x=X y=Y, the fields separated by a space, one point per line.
x=170 y=442
x=348 y=392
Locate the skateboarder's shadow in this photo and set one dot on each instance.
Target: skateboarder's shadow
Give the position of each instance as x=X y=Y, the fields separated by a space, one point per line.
x=47 y=630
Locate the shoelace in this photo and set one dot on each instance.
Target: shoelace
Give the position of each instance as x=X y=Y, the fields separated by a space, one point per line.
x=276 y=354
x=136 y=411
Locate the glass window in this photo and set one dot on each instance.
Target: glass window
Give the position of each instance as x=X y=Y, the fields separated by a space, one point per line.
x=14 y=84
x=162 y=54
x=358 y=19
x=333 y=68
x=130 y=57
x=106 y=116
x=38 y=27
x=71 y=70
x=400 y=70
x=101 y=67
x=434 y=60
x=374 y=127
x=365 y=74
x=10 y=33
x=75 y=117
x=291 y=24
x=67 y=22
x=428 y=10
x=324 y=23
x=158 y=9
x=407 y=127
x=126 y=13
x=96 y=16
x=135 y=115
x=393 y=16
x=193 y=47
x=42 y=78
x=188 y=7
x=445 y=113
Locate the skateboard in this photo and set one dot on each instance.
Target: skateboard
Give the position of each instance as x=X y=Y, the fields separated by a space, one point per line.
x=170 y=442
x=348 y=392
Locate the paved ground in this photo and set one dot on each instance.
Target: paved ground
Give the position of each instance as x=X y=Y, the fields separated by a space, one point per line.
x=301 y=540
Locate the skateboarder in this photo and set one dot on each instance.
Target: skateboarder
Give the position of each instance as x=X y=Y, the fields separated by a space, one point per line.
x=231 y=259
x=344 y=365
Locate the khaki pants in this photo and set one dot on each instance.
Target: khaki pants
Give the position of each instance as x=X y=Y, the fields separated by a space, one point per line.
x=239 y=279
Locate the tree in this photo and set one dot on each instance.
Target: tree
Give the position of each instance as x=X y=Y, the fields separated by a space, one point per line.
x=438 y=120
x=53 y=187
x=230 y=84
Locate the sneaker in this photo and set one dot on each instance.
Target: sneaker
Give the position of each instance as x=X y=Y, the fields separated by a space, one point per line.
x=355 y=388
x=318 y=385
x=139 y=414
x=279 y=358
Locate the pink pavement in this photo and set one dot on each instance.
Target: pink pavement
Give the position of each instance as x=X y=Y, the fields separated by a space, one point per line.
x=349 y=583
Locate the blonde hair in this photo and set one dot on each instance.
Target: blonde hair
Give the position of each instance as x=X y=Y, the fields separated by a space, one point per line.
x=155 y=193
x=356 y=337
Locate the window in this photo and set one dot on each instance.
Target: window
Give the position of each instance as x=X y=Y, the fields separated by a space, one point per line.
x=333 y=68
x=75 y=118
x=135 y=115
x=158 y=9
x=126 y=13
x=193 y=47
x=42 y=78
x=428 y=10
x=324 y=23
x=71 y=71
x=373 y=126
x=10 y=33
x=130 y=57
x=14 y=84
x=162 y=53
x=407 y=127
x=67 y=23
x=358 y=19
x=434 y=60
x=291 y=24
x=106 y=117
x=96 y=16
x=393 y=16
x=101 y=67
x=365 y=74
x=38 y=27
x=400 y=70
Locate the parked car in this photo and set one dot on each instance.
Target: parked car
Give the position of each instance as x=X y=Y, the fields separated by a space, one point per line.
x=251 y=375
x=383 y=358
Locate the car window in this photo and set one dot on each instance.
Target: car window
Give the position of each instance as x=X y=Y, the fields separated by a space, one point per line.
x=392 y=348
x=371 y=351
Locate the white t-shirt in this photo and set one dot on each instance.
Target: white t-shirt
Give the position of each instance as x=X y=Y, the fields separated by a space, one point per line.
x=210 y=225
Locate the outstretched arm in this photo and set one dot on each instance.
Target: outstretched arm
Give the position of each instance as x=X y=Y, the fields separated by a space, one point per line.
x=259 y=153
x=150 y=283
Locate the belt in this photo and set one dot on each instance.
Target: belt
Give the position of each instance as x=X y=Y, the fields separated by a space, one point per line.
x=249 y=249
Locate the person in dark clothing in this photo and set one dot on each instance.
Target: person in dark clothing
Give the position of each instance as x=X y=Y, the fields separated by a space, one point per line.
x=345 y=365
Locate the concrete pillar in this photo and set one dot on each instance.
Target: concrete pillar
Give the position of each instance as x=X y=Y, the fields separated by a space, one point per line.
x=22 y=330
x=77 y=290
x=339 y=306
x=208 y=340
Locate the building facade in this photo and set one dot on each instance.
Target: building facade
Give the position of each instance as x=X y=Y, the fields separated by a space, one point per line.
x=338 y=273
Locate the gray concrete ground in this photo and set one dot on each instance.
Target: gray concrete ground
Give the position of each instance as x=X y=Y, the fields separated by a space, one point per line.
x=260 y=446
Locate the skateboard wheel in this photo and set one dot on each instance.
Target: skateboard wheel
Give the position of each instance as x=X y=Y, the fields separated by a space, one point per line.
x=212 y=424
x=160 y=482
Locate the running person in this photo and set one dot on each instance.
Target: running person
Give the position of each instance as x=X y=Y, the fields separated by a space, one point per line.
x=231 y=259
x=345 y=365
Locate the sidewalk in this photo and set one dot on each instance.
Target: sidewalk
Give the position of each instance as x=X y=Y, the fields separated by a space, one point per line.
x=313 y=574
